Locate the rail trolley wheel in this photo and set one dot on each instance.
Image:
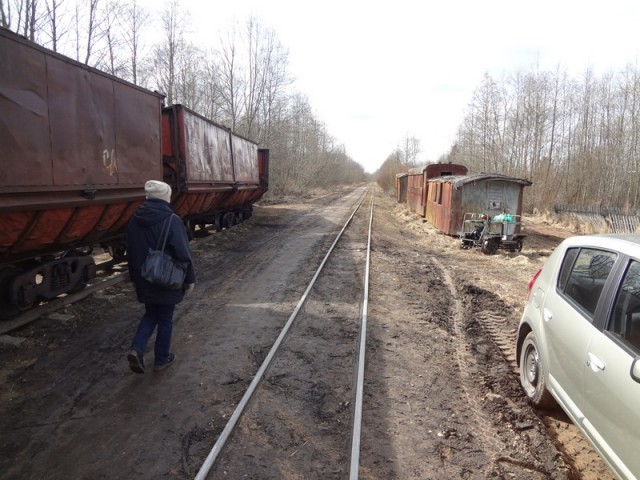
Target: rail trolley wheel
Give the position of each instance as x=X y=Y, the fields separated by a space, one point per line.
x=7 y=308
x=516 y=248
x=489 y=247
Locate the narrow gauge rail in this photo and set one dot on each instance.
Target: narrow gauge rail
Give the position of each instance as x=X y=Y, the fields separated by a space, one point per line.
x=283 y=401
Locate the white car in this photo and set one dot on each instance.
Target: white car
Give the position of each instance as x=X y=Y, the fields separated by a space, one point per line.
x=579 y=342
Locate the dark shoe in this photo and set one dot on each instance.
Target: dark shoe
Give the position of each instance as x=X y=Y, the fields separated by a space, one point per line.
x=136 y=363
x=170 y=360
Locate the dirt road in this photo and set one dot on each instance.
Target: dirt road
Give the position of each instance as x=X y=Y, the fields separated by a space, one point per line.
x=441 y=401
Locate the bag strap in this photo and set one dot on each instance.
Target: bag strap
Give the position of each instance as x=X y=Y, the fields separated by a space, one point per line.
x=164 y=234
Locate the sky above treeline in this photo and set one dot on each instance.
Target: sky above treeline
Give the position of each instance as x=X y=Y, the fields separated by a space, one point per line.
x=377 y=72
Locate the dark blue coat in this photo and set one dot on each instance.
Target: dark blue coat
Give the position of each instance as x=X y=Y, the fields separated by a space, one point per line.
x=143 y=233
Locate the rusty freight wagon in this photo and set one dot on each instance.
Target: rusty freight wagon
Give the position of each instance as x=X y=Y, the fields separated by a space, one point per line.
x=217 y=175
x=401 y=187
x=417 y=183
x=77 y=147
x=450 y=198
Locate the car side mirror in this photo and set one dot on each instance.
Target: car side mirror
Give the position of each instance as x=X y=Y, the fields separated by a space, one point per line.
x=635 y=369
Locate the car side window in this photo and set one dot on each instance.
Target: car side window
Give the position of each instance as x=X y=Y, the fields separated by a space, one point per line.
x=625 y=320
x=583 y=275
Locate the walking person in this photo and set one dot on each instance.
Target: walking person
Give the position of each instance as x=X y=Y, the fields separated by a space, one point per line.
x=143 y=232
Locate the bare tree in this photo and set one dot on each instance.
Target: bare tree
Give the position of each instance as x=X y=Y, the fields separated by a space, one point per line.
x=113 y=63
x=231 y=79
x=410 y=150
x=4 y=14
x=22 y=16
x=167 y=52
x=55 y=22
x=134 y=22
x=93 y=28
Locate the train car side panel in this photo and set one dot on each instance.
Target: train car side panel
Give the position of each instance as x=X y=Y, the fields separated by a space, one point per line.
x=138 y=138
x=24 y=129
x=207 y=151
x=401 y=187
x=492 y=197
x=441 y=210
x=415 y=191
x=434 y=170
x=82 y=125
x=75 y=142
x=245 y=155
x=216 y=175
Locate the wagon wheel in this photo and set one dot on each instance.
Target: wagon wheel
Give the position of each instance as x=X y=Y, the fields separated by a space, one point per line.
x=517 y=247
x=7 y=308
x=229 y=220
x=218 y=222
x=489 y=247
x=89 y=271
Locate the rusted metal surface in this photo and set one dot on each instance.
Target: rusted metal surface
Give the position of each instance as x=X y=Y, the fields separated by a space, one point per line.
x=211 y=169
x=417 y=184
x=401 y=187
x=434 y=170
x=77 y=147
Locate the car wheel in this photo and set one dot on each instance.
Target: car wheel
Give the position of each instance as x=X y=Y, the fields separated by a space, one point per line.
x=532 y=374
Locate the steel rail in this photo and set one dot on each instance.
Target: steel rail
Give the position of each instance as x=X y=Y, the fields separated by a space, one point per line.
x=357 y=415
x=257 y=379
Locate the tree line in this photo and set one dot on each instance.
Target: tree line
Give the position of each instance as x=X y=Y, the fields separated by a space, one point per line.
x=243 y=82
x=576 y=139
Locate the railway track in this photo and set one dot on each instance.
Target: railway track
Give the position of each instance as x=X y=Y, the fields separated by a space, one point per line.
x=291 y=389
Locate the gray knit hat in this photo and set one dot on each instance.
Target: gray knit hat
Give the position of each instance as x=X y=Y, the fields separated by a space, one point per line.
x=156 y=189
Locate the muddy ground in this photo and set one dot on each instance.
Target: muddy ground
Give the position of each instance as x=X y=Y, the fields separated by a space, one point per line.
x=442 y=399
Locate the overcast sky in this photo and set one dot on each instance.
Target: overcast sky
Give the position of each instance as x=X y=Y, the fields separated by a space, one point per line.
x=375 y=72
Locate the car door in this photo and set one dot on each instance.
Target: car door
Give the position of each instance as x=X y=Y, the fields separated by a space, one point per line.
x=568 y=313
x=612 y=395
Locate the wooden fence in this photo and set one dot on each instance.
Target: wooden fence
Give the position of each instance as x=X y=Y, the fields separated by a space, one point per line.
x=603 y=219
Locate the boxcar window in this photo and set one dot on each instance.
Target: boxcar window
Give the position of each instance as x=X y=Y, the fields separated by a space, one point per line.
x=440 y=194
x=625 y=319
x=587 y=276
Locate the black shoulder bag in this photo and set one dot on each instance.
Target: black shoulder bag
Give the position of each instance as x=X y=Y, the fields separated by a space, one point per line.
x=162 y=269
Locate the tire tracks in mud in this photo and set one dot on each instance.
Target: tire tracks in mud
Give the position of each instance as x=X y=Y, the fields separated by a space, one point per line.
x=482 y=425
x=493 y=317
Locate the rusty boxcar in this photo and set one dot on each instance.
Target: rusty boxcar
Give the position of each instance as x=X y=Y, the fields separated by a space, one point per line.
x=490 y=194
x=417 y=183
x=216 y=175
x=77 y=147
x=401 y=187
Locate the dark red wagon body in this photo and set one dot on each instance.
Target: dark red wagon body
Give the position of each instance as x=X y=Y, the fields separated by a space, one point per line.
x=77 y=146
x=417 y=183
x=216 y=175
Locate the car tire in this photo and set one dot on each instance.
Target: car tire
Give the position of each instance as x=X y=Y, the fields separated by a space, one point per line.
x=532 y=374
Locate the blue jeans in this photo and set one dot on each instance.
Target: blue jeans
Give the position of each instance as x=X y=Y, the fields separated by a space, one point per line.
x=162 y=316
